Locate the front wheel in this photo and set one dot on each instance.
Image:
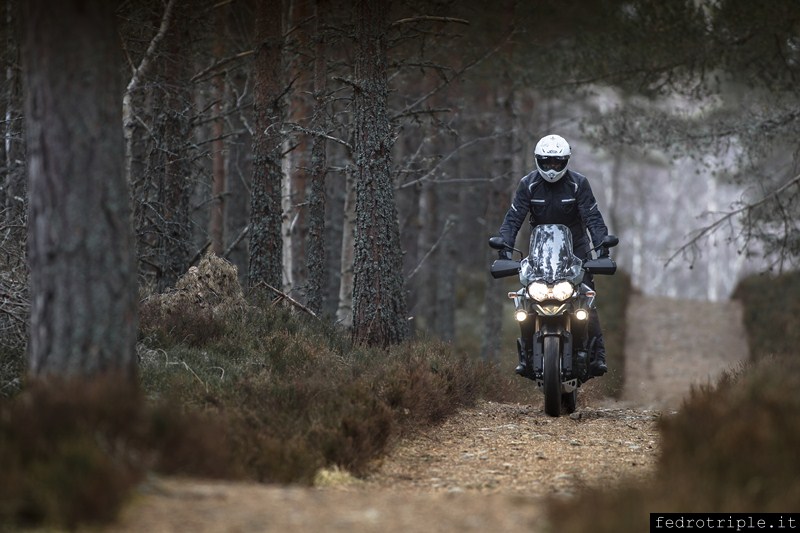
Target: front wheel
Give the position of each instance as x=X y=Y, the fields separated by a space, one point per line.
x=552 y=376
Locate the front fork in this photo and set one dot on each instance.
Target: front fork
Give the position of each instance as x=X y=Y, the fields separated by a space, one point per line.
x=530 y=346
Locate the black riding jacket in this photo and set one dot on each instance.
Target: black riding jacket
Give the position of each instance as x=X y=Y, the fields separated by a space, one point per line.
x=569 y=201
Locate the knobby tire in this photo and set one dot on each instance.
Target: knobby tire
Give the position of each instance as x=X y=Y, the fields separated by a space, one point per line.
x=552 y=376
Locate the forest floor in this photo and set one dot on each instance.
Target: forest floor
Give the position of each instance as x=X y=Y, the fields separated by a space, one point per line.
x=491 y=467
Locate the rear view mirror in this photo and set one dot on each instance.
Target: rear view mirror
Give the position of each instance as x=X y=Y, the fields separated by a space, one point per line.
x=497 y=243
x=609 y=241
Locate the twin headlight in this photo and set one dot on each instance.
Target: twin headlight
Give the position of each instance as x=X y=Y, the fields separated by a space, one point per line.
x=539 y=291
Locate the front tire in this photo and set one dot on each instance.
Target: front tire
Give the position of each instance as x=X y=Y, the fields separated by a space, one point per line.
x=552 y=376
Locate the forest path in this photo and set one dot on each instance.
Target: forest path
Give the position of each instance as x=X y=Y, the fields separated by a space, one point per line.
x=490 y=467
x=673 y=345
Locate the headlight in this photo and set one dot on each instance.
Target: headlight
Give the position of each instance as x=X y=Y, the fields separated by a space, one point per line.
x=538 y=291
x=563 y=290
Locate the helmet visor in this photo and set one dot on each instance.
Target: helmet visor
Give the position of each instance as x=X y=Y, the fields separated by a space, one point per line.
x=557 y=163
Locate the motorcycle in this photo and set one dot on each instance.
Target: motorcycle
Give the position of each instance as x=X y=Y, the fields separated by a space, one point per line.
x=553 y=308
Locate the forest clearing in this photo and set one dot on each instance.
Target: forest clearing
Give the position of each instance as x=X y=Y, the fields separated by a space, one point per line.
x=248 y=250
x=492 y=466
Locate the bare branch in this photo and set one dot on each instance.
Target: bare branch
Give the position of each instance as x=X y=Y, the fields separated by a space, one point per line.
x=236 y=241
x=347 y=81
x=747 y=208
x=283 y=296
x=138 y=74
x=151 y=49
x=469 y=66
x=206 y=71
x=321 y=134
x=429 y=18
x=435 y=111
x=450 y=156
x=448 y=225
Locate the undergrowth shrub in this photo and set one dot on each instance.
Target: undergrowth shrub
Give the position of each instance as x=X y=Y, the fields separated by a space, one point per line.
x=298 y=398
x=70 y=451
x=771 y=309
x=732 y=447
x=228 y=388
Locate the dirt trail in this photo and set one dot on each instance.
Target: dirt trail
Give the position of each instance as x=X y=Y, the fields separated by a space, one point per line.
x=490 y=467
x=674 y=344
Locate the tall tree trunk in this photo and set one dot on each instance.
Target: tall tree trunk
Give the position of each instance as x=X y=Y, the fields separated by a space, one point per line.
x=83 y=292
x=266 y=254
x=300 y=159
x=316 y=261
x=344 y=313
x=426 y=238
x=379 y=308
x=408 y=203
x=446 y=274
x=239 y=172
x=499 y=200
x=12 y=184
x=218 y=177
x=129 y=123
x=174 y=249
x=500 y=190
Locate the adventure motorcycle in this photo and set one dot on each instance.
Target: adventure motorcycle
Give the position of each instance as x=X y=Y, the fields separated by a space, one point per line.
x=554 y=348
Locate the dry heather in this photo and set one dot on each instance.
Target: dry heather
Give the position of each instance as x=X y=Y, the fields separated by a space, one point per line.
x=486 y=468
x=194 y=311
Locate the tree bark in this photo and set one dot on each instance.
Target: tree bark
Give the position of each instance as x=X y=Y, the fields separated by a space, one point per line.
x=499 y=200
x=426 y=238
x=218 y=175
x=344 y=313
x=266 y=254
x=83 y=292
x=300 y=113
x=379 y=307
x=316 y=261
x=12 y=184
x=173 y=128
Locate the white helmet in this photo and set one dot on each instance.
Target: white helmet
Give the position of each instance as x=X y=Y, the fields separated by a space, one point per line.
x=552 y=155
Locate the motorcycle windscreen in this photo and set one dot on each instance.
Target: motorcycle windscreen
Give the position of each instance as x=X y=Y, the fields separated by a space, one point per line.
x=551 y=257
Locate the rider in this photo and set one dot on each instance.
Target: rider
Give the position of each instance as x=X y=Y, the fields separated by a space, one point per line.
x=554 y=195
